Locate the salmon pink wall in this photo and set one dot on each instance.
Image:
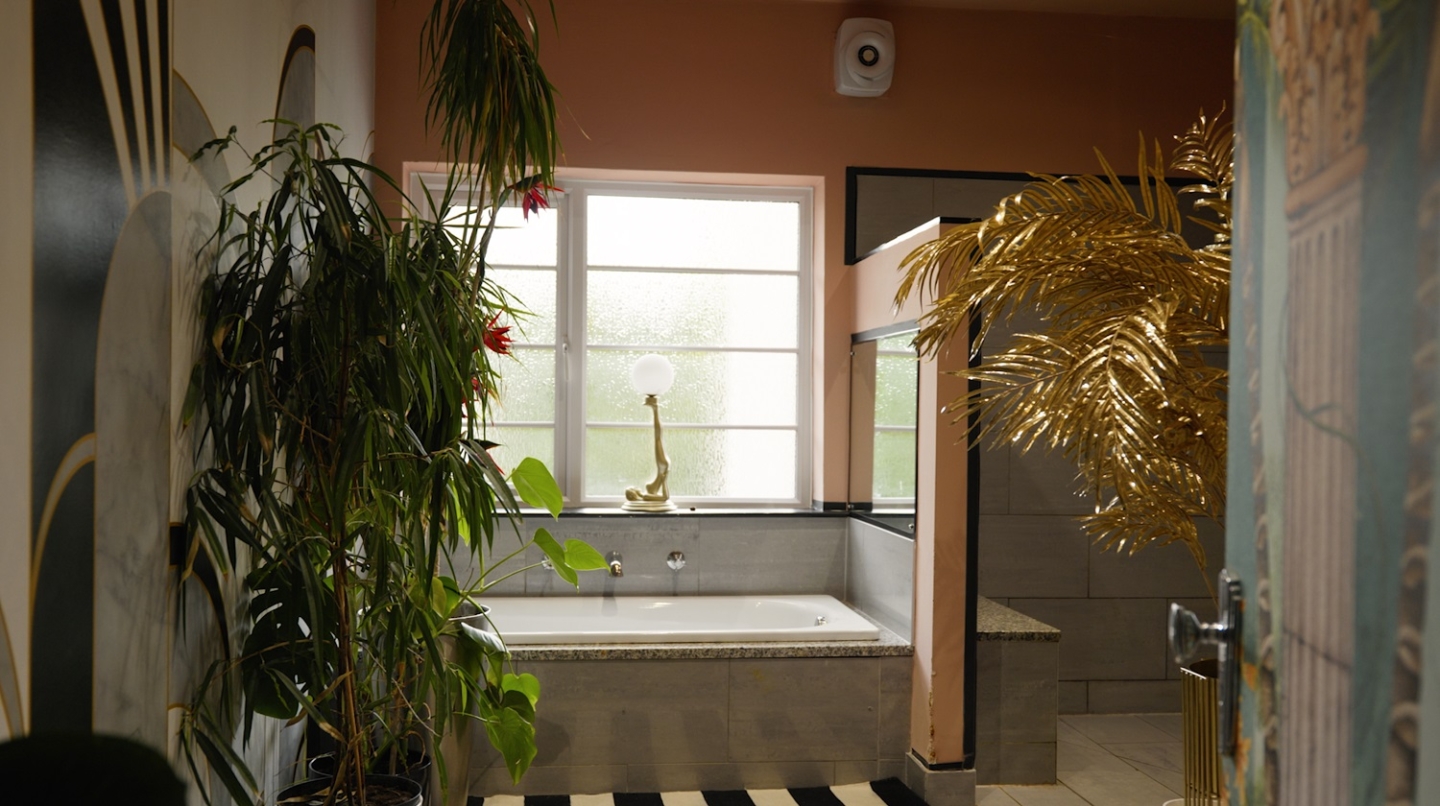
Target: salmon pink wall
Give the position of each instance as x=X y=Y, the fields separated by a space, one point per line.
x=746 y=86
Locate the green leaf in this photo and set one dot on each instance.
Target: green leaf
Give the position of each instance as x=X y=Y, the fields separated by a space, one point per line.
x=268 y=696
x=439 y=598
x=556 y=556
x=580 y=556
x=221 y=763
x=524 y=683
x=514 y=737
x=536 y=486
x=452 y=594
x=490 y=643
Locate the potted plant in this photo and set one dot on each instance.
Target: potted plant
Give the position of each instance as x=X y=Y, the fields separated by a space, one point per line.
x=340 y=393
x=1115 y=378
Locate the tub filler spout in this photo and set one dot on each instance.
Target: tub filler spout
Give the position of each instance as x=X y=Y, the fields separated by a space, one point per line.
x=613 y=560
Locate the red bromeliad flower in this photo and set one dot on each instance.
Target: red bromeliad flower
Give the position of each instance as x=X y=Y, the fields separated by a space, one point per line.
x=533 y=196
x=497 y=338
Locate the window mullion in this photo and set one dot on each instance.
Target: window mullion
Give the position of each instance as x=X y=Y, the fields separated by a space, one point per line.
x=573 y=349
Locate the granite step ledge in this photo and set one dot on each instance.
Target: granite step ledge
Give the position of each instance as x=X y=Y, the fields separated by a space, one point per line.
x=996 y=622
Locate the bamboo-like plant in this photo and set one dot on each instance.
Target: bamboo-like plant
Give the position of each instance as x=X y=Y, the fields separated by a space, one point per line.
x=339 y=392
x=489 y=97
x=1115 y=378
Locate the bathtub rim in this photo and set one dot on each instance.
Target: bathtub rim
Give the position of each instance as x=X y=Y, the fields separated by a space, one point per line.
x=889 y=644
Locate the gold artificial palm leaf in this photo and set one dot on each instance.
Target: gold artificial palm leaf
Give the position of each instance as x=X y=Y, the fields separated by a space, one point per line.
x=1116 y=379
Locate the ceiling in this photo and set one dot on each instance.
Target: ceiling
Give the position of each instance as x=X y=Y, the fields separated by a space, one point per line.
x=1188 y=9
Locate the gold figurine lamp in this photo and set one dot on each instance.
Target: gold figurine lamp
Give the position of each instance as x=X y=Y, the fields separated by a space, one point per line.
x=652 y=376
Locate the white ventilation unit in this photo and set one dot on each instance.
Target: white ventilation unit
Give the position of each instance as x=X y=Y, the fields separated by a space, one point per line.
x=864 y=57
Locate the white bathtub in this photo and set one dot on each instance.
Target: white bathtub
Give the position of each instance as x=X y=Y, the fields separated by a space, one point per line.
x=675 y=619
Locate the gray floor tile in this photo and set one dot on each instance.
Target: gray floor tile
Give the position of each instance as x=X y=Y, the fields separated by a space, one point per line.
x=1116 y=729
x=1065 y=733
x=1170 y=723
x=1075 y=758
x=1170 y=779
x=1117 y=788
x=1059 y=795
x=993 y=796
x=1166 y=755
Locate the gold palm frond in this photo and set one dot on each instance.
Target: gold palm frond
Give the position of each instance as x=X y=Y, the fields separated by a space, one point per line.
x=1117 y=379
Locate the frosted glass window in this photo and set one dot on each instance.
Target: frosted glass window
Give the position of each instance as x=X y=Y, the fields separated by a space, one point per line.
x=692 y=233
x=526 y=388
x=517 y=240
x=533 y=292
x=716 y=388
x=701 y=310
x=715 y=278
x=518 y=442
x=704 y=462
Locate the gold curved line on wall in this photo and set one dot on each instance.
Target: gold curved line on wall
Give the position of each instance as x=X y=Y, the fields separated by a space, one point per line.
x=175 y=74
x=80 y=454
x=10 y=682
x=109 y=85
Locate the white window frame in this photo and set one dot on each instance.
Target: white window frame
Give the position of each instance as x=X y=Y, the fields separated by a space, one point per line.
x=570 y=346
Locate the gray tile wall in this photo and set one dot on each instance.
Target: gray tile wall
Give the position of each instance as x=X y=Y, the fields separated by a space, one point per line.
x=1017 y=703
x=880 y=575
x=1110 y=607
x=664 y=725
x=723 y=555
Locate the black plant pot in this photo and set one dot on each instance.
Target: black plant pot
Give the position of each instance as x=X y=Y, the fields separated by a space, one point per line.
x=417 y=769
x=382 y=790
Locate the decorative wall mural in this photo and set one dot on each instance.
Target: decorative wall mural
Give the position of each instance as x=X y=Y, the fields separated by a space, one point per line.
x=83 y=194
x=1334 y=443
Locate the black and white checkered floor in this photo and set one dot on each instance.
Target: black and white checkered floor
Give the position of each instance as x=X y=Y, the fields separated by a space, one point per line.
x=890 y=792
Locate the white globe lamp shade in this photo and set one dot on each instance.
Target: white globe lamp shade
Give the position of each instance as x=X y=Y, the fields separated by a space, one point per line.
x=652 y=375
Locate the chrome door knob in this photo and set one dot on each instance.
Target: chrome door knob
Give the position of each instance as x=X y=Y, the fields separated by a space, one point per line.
x=1188 y=634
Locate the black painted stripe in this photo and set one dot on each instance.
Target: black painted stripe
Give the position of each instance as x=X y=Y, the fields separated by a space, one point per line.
x=728 y=797
x=895 y=793
x=891 y=790
x=815 y=796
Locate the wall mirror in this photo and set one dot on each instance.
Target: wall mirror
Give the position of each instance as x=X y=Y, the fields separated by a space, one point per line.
x=884 y=203
x=884 y=399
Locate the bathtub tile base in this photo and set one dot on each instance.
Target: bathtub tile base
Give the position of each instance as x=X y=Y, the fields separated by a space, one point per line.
x=654 y=726
x=749 y=775
x=581 y=780
x=856 y=772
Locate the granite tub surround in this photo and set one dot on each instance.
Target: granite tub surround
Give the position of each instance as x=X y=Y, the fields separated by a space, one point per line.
x=1017 y=697
x=648 y=725
x=996 y=622
x=889 y=644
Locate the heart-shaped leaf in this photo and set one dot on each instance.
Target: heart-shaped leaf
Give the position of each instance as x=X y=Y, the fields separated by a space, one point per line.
x=536 y=486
